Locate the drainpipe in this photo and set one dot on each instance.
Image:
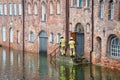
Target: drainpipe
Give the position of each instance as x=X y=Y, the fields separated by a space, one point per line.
x=23 y=7
x=67 y=21
x=92 y=15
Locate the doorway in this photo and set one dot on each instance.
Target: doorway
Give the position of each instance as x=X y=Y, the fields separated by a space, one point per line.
x=43 y=39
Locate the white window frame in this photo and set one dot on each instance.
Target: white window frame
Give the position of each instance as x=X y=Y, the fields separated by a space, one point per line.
x=115 y=48
x=51 y=7
x=1 y=9
x=35 y=9
x=18 y=37
x=20 y=9
x=4 y=33
x=43 y=12
x=5 y=9
x=58 y=37
x=10 y=9
x=87 y=3
x=11 y=35
x=58 y=7
x=78 y=3
x=51 y=37
x=31 y=37
x=101 y=9
x=15 y=9
x=29 y=8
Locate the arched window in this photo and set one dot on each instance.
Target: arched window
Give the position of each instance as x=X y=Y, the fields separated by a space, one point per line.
x=29 y=8
x=4 y=33
x=73 y=3
x=51 y=7
x=58 y=7
x=18 y=37
x=58 y=37
x=87 y=3
x=88 y=28
x=101 y=9
x=79 y=3
x=1 y=9
x=115 y=47
x=35 y=9
x=11 y=35
x=43 y=11
x=111 y=10
x=31 y=37
x=51 y=37
x=5 y=9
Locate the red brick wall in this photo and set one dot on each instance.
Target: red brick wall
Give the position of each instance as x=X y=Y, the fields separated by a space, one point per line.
x=16 y=26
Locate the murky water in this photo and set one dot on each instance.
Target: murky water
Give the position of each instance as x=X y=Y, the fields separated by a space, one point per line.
x=16 y=66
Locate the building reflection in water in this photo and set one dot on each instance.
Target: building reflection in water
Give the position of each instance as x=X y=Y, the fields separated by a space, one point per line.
x=31 y=66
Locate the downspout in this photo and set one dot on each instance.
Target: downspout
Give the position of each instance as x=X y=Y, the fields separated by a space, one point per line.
x=67 y=21
x=92 y=15
x=23 y=6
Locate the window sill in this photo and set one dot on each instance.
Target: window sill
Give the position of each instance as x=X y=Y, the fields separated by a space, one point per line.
x=79 y=7
x=43 y=21
x=87 y=8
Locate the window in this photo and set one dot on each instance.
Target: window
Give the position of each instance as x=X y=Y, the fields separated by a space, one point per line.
x=101 y=9
x=20 y=9
x=51 y=8
x=11 y=36
x=115 y=47
x=10 y=9
x=1 y=9
x=58 y=38
x=31 y=37
x=18 y=37
x=111 y=10
x=58 y=7
x=88 y=28
x=52 y=38
x=35 y=9
x=15 y=9
x=4 y=33
x=29 y=8
x=73 y=3
x=87 y=3
x=5 y=9
x=79 y=3
x=43 y=11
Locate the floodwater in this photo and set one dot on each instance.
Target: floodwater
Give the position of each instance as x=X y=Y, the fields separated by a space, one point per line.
x=14 y=65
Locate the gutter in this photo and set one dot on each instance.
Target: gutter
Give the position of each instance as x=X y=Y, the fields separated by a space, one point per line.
x=23 y=7
x=67 y=21
x=92 y=16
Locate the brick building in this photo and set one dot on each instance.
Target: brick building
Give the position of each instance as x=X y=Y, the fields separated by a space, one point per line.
x=93 y=23
x=100 y=29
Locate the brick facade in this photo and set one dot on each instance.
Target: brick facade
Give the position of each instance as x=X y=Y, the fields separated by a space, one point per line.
x=56 y=23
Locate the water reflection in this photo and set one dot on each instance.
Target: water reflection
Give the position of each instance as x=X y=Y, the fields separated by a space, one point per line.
x=28 y=66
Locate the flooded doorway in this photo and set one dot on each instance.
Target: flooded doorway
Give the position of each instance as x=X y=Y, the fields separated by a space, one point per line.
x=79 y=38
x=98 y=47
x=43 y=42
